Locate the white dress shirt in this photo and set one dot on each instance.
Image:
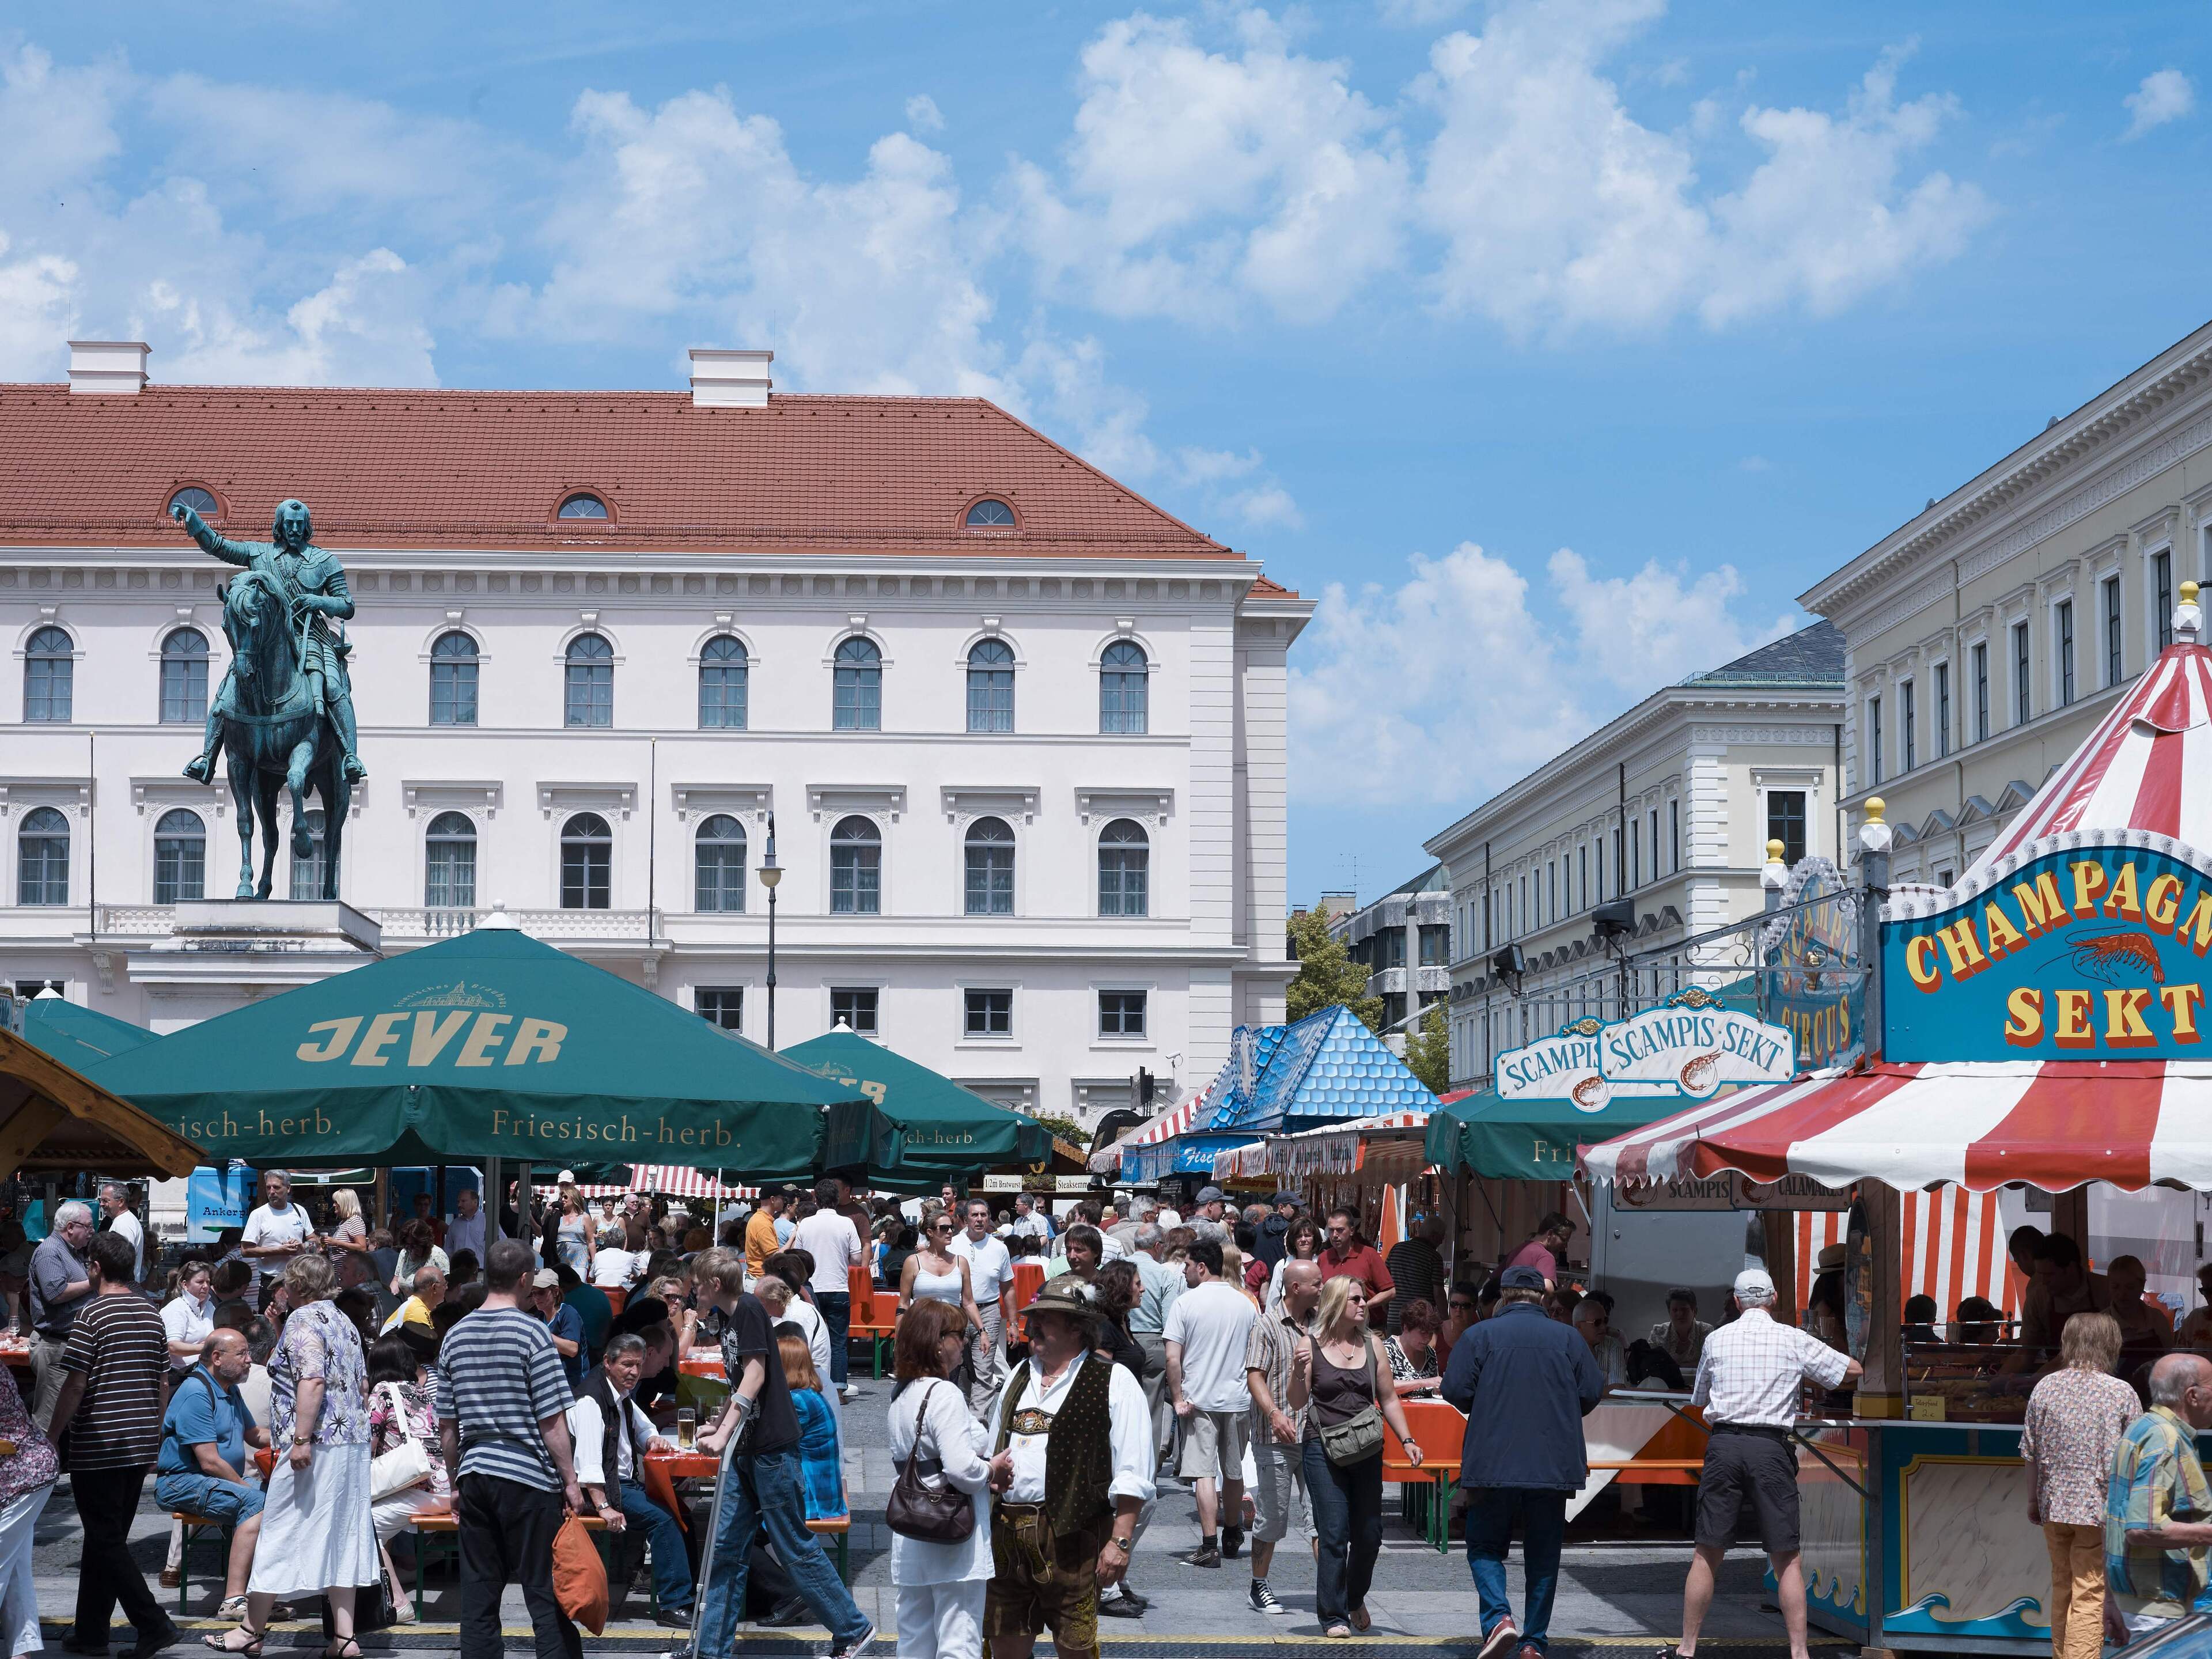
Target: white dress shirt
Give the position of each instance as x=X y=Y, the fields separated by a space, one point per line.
x=468 y=1233
x=588 y=1427
x=1130 y=1429
x=990 y=1266
x=834 y=1244
x=187 y=1320
x=960 y=1445
x=1750 y=1370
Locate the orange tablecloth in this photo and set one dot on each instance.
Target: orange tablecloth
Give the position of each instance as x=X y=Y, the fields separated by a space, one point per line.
x=663 y=1469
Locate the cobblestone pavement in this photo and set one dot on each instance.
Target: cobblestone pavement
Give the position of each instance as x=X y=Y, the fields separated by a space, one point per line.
x=1612 y=1595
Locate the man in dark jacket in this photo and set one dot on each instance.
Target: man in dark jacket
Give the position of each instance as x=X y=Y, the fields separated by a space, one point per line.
x=1271 y=1246
x=1525 y=1383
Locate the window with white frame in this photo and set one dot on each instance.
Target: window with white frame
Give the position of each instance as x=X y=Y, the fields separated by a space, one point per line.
x=1124 y=870
x=42 y=858
x=1941 y=712
x=855 y=1006
x=309 y=868
x=988 y=867
x=1980 y=659
x=2161 y=596
x=718 y=865
x=49 y=676
x=856 y=868
x=2023 y=689
x=2062 y=629
x=183 y=678
x=1908 y=724
x=722 y=1005
x=449 y=863
x=2109 y=592
x=1873 y=741
x=991 y=686
x=1121 y=1014
x=454 y=662
x=179 y=857
x=588 y=856
x=988 y=1013
x=1123 y=696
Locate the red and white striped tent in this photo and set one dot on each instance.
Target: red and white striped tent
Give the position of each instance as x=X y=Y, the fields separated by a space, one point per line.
x=672 y=1181
x=1107 y=1161
x=1953 y=1248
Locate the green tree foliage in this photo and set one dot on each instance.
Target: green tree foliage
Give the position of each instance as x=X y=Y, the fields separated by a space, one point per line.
x=1327 y=973
x=1428 y=1050
x=1064 y=1128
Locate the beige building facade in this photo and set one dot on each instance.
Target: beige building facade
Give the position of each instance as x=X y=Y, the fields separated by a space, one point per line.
x=1669 y=808
x=1986 y=636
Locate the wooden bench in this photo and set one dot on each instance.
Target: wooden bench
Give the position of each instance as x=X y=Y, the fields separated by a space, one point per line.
x=194 y=1525
x=1439 y=1428
x=874 y=1315
x=438 y=1534
x=839 y=1527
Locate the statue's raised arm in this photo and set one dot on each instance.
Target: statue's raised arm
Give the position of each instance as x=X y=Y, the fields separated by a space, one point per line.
x=210 y=539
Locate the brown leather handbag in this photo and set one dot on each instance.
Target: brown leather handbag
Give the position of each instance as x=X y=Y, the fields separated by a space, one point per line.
x=928 y=1515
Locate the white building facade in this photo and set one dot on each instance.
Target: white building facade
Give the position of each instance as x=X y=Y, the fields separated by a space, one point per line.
x=1404 y=941
x=1020 y=734
x=1669 y=808
x=1987 y=636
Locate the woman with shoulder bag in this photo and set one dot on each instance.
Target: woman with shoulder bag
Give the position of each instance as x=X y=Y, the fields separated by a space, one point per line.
x=1340 y=1379
x=936 y=1446
x=407 y=1462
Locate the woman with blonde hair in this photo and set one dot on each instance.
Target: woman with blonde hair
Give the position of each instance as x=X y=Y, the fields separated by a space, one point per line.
x=317 y=1537
x=2075 y=1418
x=1337 y=1381
x=575 y=1237
x=352 y=1232
x=941 y=1586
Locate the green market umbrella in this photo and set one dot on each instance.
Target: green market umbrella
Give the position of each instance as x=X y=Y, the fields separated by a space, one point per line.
x=1529 y=1140
x=487 y=1045
x=920 y=1126
x=78 y=1037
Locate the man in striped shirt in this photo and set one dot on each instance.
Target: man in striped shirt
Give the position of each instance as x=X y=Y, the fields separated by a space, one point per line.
x=502 y=1402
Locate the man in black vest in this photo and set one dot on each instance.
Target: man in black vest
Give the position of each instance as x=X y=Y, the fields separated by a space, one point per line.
x=612 y=1437
x=1073 y=1467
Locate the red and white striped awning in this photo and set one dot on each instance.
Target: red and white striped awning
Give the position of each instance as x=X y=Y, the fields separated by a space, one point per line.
x=2147 y=766
x=2053 y=1124
x=1107 y=1161
x=1953 y=1248
x=672 y=1181
x=1332 y=1149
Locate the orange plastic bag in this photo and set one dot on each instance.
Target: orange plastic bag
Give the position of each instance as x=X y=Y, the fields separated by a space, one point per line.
x=580 y=1578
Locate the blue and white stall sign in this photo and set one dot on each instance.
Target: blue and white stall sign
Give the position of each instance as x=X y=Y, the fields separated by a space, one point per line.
x=1686 y=1048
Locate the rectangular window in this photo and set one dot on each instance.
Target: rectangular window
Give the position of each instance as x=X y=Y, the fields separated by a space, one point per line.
x=1121 y=1014
x=1653 y=821
x=1785 y=822
x=1552 y=892
x=722 y=1004
x=1601 y=869
x=1942 y=709
x=1394 y=1008
x=1908 y=724
x=2062 y=619
x=1633 y=870
x=1435 y=945
x=1982 y=691
x=2161 y=595
x=1874 y=740
x=2023 y=693
x=1388 y=948
x=856 y=1005
x=1674 y=834
x=1489 y=902
x=990 y=1013
x=2113 y=653
x=1521 y=910
x=1586 y=897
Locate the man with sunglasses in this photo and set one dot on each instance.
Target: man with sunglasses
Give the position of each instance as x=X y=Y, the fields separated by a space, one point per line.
x=990 y=1276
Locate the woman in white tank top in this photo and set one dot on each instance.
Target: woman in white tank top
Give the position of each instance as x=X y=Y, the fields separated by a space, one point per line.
x=934 y=1274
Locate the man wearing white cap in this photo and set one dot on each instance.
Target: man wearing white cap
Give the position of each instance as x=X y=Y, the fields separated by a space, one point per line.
x=1747 y=1381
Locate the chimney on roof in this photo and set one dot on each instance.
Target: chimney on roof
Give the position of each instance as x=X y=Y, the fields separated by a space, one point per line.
x=729 y=380
x=108 y=366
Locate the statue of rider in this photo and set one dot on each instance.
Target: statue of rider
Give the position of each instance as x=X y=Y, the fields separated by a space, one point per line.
x=316 y=585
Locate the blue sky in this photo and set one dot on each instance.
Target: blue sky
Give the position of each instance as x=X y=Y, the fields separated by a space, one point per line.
x=1553 y=345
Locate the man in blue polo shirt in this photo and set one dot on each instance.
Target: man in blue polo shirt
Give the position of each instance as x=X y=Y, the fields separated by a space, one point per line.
x=203 y=1467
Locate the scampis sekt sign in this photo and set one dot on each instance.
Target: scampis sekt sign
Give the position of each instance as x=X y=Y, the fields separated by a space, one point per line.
x=2089 y=951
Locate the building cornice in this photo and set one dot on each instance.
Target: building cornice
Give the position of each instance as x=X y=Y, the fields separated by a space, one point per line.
x=2132 y=429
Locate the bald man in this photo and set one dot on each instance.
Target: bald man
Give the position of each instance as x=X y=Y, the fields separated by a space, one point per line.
x=203 y=1468
x=2159 y=1490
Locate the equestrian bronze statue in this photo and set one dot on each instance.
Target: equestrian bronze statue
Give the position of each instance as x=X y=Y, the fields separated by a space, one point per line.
x=283 y=717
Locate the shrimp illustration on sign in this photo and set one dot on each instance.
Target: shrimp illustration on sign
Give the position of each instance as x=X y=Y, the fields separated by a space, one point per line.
x=2115 y=954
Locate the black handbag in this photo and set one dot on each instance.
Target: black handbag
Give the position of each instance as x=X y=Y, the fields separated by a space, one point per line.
x=929 y=1515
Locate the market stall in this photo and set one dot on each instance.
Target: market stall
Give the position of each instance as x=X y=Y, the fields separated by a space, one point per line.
x=2037 y=1024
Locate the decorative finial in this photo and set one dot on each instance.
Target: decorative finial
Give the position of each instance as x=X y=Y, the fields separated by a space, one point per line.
x=1774 y=876
x=1873 y=834
x=2188 y=617
x=500 y=919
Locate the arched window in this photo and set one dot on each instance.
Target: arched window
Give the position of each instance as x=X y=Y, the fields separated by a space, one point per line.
x=720 y=884
x=722 y=684
x=859 y=705
x=990 y=868
x=591 y=681
x=183 y=678
x=199 y=501
x=179 y=857
x=308 y=873
x=990 y=515
x=856 y=868
x=1125 y=859
x=49 y=676
x=991 y=686
x=583 y=505
x=588 y=856
x=42 y=858
x=453 y=680
x=449 y=871
x=1122 y=690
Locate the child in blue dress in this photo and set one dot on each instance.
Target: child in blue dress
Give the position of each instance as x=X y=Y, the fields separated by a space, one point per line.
x=822 y=1465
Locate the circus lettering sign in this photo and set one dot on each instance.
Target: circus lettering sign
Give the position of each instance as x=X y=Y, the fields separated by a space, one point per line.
x=1687 y=1047
x=2089 y=952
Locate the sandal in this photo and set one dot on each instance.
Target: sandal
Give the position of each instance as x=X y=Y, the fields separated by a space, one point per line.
x=222 y=1644
x=338 y=1649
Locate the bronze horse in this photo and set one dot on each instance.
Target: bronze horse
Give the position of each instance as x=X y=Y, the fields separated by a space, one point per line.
x=278 y=736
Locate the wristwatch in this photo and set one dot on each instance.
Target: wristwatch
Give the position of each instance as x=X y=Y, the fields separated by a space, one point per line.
x=1122 y=1544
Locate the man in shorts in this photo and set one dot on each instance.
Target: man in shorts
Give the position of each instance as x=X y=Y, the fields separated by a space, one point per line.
x=1208 y=1331
x=1277 y=1432
x=203 y=1469
x=1747 y=1382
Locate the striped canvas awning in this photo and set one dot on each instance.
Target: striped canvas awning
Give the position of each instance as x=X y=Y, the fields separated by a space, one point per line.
x=2147 y=766
x=2053 y=1124
x=1107 y=1161
x=672 y=1181
x=1953 y=1248
x=1333 y=1149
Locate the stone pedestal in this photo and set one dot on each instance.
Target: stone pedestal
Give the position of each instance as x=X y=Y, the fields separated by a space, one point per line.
x=233 y=950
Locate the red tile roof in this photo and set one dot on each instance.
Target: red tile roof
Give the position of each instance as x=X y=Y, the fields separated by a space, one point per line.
x=489 y=469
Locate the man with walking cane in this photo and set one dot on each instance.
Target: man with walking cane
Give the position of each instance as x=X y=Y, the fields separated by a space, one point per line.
x=756 y=1437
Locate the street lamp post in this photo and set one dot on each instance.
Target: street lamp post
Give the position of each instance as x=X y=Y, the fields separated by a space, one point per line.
x=771 y=874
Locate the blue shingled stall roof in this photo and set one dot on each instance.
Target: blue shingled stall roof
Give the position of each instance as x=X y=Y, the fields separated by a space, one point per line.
x=1328 y=1068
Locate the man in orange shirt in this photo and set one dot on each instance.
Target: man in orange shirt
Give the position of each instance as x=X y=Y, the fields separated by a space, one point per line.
x=763 y=1237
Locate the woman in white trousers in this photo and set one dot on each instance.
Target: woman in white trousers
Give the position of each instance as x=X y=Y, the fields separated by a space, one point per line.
x=941 y=1586
x=27 y=1472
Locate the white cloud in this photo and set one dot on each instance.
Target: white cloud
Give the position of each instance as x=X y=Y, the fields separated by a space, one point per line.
x=1452 y=684
x=2165 y=95
x=1559 y=208
x=1418 y=14
x=1198 y=181
x=923 y=115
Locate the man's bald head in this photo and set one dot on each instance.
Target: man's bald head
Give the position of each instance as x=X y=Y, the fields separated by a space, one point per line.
x=2181 y=1382
x=226 y=1354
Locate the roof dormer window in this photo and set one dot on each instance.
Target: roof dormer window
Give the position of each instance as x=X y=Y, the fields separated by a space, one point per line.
x=990 y=514
x=583 y=505
x=200 y=501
